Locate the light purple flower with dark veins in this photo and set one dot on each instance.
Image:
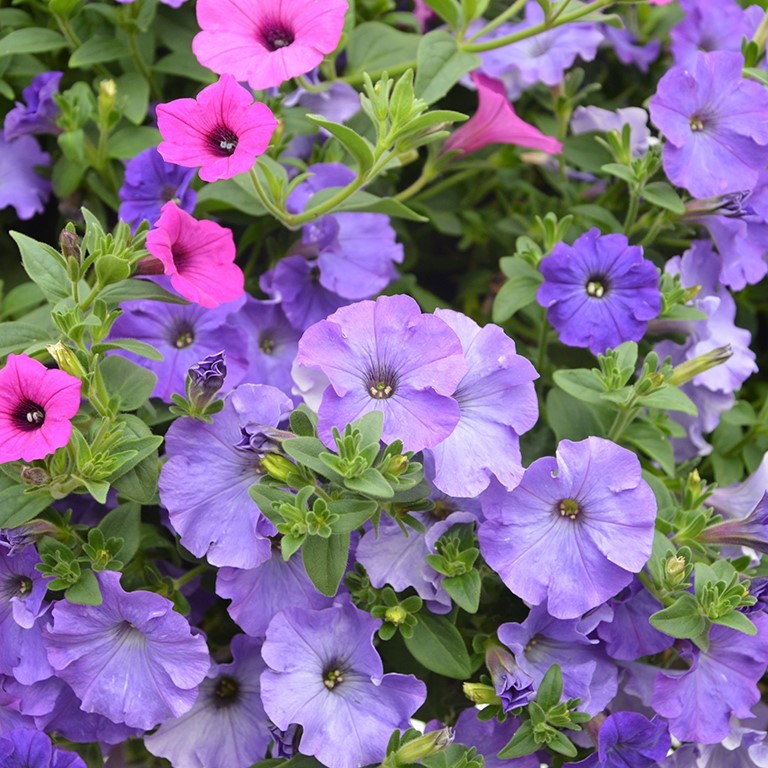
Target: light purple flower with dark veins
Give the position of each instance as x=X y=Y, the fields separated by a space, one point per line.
x=132 y=659
x=258 y=594
x=37 y=113
x=711 y=25
x=541 y=641
x=227 y=727
x=628 y=740
x=740 y=499
x=10 y=715
x=183 y=334
x=325 y=675
x=149 y=184
x=387 y=356
x=497 y=402
x=295 y=282
x=745 y=747
x=22 y=616
x=715 y=123
x=204 y=484
x=20 y=186
x=599 y=292
x=628 y=48
x=721 y=682
x=589 y=119
x=272 y=343
x=338 y=101
x=28 y=748
x=574 y=530
x=513 y=686
x=629 y=635
x=543 y=58
x=750 y=531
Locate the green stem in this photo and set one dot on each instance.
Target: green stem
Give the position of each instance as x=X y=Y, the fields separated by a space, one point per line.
x=357 y=77
x=623 y=419
x=634 y=207
x=146 y=73
x=189 y=575
x=266 y=200
x=537 y=29
x=427 y=174
x=74 y=41
x=500 y=19
x=311 y=87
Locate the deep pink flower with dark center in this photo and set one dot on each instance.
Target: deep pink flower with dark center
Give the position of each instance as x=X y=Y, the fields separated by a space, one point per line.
x=222 y=130
x=495 y=122
x=36 y=405
x=199 y=256
x=267 y=42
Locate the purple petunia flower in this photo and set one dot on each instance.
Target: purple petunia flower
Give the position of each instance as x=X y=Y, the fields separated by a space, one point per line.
x=497 y=403
x=387 y=356
x=721 y=682
x=715 y=123
x=132 y=659
x=513 y=686
x=628 y=48
x=588 y=119
x=740 y=499
x=184 y=335
x=20 y=187
x=599 y=292
x=338 y=101
x=575 y=529
x=628 y=740
x=28 y=748
x=227 y=727
x=588 y=673
x=325 y=675
x=750 y=531
x=204 y=484
x=37 y=114
x=149 y=184
x=744 y=747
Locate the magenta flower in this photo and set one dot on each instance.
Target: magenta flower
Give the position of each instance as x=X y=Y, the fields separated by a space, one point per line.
x=495 y=122
x=222 y=130
x=267 y=42
x=199 y=256
x=36 y=405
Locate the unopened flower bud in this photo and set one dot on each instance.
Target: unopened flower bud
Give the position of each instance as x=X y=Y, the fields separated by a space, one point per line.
x=731 y=205
x=396 y=465
x=691 y=368
x=206 y=378
x=35 y=476
x=67 y=359
x=424 y=746
x=107 y=95
x=674 y=569
x=277 y=466
x=478 y=693
x=69 y=244
x=14 y=540
x=396 y=615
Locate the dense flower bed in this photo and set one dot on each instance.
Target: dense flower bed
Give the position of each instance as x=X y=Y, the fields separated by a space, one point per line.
x=379 y=383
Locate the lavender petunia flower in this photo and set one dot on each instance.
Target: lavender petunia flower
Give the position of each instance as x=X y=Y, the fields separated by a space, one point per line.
x=722 y=681
x=513 y=686
x=588 y=673
x=740 y=499
x=565 y=534
x=28 y=748
x=325 y=675
x=37 y=114
x=204 y=484
x=744 y=747
x=629 y=50
x=599 y=292
x=227 y=727
x=184 y=335
x=387 y=356
x=750 y=531
x=497 y=403
x=588 y=119
x=715 y=123
x=149 y=184
x=132 y=659
x=20 y=186
x=628 y=740
x=489 y=737
x=338 y=101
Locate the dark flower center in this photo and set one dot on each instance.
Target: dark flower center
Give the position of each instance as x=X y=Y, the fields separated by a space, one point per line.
x=381 y=383
x=182 y=334
x=314 y=275
x=569 y=508
x=267 y=345
x=24 y=586
x=28 y=416
x=697 y=124
x=226 y=691
x=276 y=36
x=597 y=286
x=333 y=676
x=223 y=141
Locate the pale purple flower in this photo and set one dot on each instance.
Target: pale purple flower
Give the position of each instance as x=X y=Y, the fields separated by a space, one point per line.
x=38 y=112
x=28 y=748
x=20 y=186
x=588 y=119
x=387 y=356
x=740 y=499
x=628 y=48
x=744 y=747
x=513 y=686
x=497 y=403
x=565 y=534
x=489 y=737
x=132 y=659
x=750 y=531
x=338 y=101
x=325 y=675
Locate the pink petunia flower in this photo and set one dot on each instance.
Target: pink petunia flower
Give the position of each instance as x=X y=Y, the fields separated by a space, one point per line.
x=198 y=256
x=222 y=130
x=267 y=42
x=36 y=405
x=495 y=122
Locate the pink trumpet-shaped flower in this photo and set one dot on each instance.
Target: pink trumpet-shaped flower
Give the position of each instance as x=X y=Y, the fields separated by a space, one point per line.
x=199 y=256
x=222 y=131
x=267 y=42
x=36 y=405
x=495 y=122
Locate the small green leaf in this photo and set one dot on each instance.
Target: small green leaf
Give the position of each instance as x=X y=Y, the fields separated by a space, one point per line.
x=437 y=645
x=669 y=398
x=326 y=560
x=661 y=194
x=464 y=590
x=17 y=336
x=522 y=743
x=123 y=522
x=519 y=290
x=128 y=142
x=440 y=65
x=581 y=383
x=551 y=688
x=132 y=289
x=131 y=345
x=374 y=46
x=130 y=382
x=370 y=483
x=85 y=591
x=448 y=10
x=31 y=40
x=738 y=621
x=356 y=145
x=45 y=266
x=96 y=50
x=352 y=513
x=682 y=619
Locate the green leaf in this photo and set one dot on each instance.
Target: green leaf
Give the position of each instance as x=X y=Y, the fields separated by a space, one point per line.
x=581 y=383
x=669 y=398
x=464 y=590
x=352 y=513
x=447 y=10
x=522 y=743
x=653 y=442
x=661 y=194
x=682 y=619
x=573 y=419
x=31 y=40
x=18 y=507
x=17 y=336
x=306 y=450
x=374 y=46
x=128 y=142
x=366 y=202
x=620 y=171
x=596 y=214
x=96 y=50
x=356 y=145
x=131 y=383
x=228 y=193
x=139 y=483
x=20 y=300
x=551 y=688
x=738 y=621
x=326 y=560
x=45 y=266
x=519 y=290
x=85 y=591
x=437 y=645
x=133 y=96
x=440 y=65
x=123 y=522
x=562 y=744
x=303 y=422
x=132 y=289
x=131 y=345
x=370 y=483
